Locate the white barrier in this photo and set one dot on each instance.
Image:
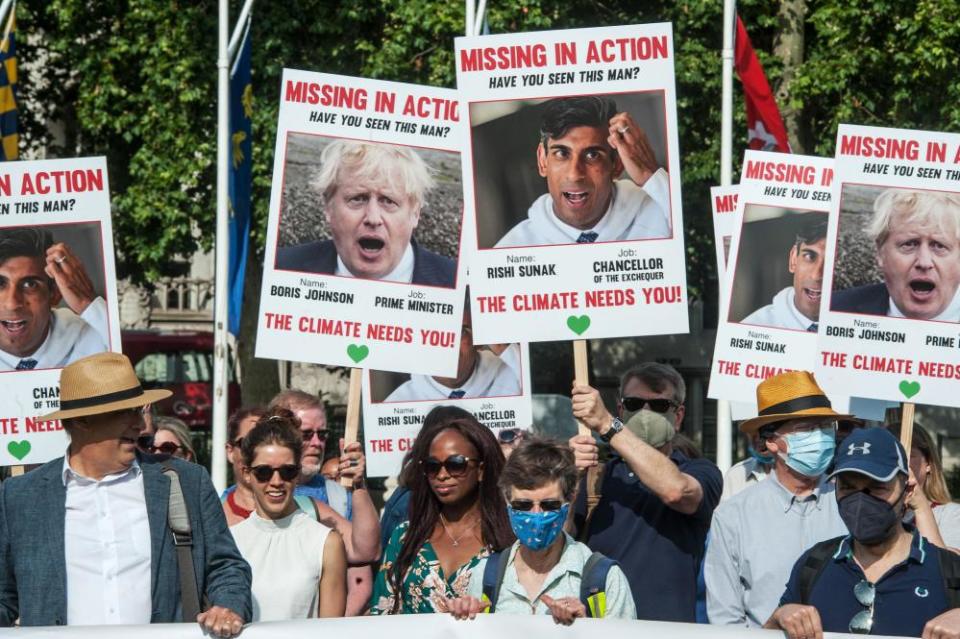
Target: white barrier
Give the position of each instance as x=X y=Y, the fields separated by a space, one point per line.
x=421 y=627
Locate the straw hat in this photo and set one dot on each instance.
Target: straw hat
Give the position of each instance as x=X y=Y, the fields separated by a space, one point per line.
x=99 y=384
x=792 y=395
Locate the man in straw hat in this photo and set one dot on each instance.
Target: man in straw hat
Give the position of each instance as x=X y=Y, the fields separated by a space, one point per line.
x=758 y=534
x=84 y=540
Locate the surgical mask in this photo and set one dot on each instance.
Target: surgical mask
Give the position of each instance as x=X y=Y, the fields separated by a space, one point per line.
x=760 y=458
x=537 y=531
x=810 y=453
x=869 y=519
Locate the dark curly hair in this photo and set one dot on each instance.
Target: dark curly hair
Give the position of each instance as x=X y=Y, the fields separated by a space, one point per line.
x=424 y=513
x=279 y=427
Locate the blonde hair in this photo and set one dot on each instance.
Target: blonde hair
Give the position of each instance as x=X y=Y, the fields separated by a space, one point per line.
x=935 y=485
x=917 y=207
x=398 y=166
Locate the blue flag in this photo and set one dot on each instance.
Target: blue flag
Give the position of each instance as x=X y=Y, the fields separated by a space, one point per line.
x=8 y=89
x=241 y=169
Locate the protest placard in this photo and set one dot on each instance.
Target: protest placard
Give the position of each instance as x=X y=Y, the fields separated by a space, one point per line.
x=492 y=383
x=889 y=323
x=723 y=203
x=58 y=284
x=574 y=173
x=774 y=283
x=363 y=242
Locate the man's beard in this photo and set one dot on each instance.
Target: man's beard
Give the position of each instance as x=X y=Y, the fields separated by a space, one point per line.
x=309 y=471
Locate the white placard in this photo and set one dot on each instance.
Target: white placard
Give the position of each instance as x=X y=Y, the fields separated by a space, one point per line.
x=889 y=326
x=723 y=204
x=497 y=392
x=774 y=285
x=367 y=181
x=54 y=218
x=575 y=239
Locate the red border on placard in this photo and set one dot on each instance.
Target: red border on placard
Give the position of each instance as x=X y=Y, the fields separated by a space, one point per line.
x=276 y=239
x=476 y=203
x=103 y=267
x=836 y=241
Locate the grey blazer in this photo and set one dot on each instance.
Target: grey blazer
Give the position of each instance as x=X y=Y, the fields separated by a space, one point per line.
x=33 y=576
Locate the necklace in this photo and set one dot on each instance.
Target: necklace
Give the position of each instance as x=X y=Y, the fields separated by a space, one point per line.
x=455 y=540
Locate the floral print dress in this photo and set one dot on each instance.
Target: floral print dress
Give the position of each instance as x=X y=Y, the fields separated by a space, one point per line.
x=425 y=588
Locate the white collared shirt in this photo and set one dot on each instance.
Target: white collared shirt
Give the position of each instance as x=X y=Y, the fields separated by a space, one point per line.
x=69 y=338
x=107 y=548
x=492 y=377
x=782 y=312
x=950 y=314
x=403 y=272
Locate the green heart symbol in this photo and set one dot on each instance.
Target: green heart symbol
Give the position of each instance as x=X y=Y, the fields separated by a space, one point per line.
x=19 y=449
x=578 y=325
x=358 y=353
x=909 y=388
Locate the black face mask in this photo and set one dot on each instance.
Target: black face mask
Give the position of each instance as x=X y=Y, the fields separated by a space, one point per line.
x=869 y=520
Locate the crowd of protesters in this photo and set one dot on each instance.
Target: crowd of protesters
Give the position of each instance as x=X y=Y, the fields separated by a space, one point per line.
x=828 y=526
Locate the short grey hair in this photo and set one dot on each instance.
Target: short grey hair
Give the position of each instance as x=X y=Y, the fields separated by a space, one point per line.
x=923 y=207
x=398 y=166
x=657 y=376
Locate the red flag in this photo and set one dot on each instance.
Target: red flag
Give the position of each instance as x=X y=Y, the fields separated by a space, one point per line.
x=765 y=130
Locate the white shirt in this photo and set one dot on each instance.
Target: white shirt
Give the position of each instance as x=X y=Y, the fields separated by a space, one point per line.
x=781 y=313
x=107 y=548
x=635 y=212
x=950 y=314
x=403 y=272
x=492 y=377
x=948 y=521
x=69 y=338
x=741 y=475
x=286 y=557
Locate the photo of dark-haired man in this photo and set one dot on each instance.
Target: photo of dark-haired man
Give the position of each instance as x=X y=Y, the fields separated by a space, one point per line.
x=585 y=145
x=36 y=274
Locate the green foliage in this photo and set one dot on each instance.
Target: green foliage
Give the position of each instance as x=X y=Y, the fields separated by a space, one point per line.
x=136 y=80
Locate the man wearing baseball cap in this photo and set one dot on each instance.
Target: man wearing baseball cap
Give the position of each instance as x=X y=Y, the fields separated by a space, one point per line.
x=757 y=534
x=85 y=539
x=882 y=578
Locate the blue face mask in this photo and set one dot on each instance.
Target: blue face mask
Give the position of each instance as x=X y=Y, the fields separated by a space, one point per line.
x=537 y=531
x=760 y=458
x=810 y=453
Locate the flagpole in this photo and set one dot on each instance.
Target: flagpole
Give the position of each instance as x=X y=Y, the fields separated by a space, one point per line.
x=4 y=9
x=470 y=13
x=481 y=14
x=238 y=30
x=724 y=422
x=218 y=470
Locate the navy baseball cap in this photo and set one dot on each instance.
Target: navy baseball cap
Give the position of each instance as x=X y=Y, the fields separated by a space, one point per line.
x=873 y=452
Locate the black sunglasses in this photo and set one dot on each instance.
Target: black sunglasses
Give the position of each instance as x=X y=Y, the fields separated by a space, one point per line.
x=264 y=473
x=167 y=448
x=657 y=404
x=456 y=465
x=309 y=434
x=526 y=505
x=145 y=443
x=509 y=435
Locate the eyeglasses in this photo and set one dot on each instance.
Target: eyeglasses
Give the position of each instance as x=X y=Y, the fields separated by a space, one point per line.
x=264 y=473
x=546 y=505
x=166 y=448
x=308 y=435
x=509 y=435
x=145 y=443
x=862 y=622
x=656 y=404
x=455 y=465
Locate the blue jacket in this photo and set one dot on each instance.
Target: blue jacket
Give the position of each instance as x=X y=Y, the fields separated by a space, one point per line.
x=33 y=576
x=429 y=268
x=871 y=299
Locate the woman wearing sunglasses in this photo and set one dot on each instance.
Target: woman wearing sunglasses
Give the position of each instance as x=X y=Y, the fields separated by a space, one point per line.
x=172 y=438
x=457 y=516
x=299 y=565
x=541 y=573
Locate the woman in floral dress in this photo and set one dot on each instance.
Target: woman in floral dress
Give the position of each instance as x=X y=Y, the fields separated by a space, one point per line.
x=457 y=516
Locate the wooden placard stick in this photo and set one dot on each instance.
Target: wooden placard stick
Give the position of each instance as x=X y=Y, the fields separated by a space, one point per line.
x=906 y=426
x=353 y=416
x=581 y=373
x=16 y=471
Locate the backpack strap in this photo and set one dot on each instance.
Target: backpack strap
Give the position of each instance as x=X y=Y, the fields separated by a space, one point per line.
x=950 y=571
x=593 y=584
x=813 y=566
x=493 y=573
x=307 y=505
x=179 y=521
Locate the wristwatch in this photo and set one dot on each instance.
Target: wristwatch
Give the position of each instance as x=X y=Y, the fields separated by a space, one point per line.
x=615 y=427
